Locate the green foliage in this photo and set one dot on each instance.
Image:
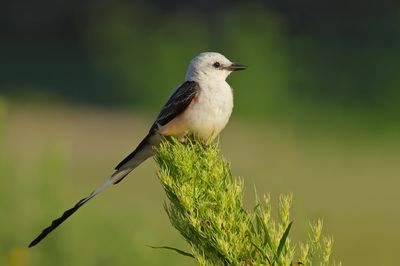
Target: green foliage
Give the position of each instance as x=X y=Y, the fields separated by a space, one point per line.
x=206 y=207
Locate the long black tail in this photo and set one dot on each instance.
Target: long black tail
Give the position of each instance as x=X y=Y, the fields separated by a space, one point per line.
x=117 y=176
x=140 y=154
x=57 y=222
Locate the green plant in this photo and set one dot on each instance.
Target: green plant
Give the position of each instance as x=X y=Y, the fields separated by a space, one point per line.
x=206 y=207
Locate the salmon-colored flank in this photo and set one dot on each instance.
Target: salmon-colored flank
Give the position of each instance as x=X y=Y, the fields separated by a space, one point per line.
x=177 y=126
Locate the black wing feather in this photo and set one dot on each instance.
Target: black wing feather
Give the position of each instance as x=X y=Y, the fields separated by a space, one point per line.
x=176 y=104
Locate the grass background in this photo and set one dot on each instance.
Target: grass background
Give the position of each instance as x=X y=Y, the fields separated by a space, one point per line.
x=51 y=156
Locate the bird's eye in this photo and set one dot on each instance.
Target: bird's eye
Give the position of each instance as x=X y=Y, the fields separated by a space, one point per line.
x=216 y=65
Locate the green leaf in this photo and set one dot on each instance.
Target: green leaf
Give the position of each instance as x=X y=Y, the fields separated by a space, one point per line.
x=184 y=253
x=261 y=251
x=256 y=196
x=257 y=226
x=267 y=238
x=283 y=240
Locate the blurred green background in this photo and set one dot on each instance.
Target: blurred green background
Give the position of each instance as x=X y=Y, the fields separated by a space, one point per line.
x=316 y=114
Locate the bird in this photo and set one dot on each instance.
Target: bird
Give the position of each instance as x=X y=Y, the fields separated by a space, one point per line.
x=201 y=105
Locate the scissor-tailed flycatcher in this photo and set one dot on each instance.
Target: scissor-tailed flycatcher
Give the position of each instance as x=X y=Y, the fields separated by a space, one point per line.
x=201 y=105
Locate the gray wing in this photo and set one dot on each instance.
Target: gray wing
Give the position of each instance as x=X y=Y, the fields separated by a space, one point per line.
x=176 y=104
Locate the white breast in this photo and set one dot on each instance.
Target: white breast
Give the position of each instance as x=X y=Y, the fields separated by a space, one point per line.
x=210 y=112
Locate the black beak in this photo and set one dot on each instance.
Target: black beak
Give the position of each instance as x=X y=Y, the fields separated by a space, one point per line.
x=235 y=67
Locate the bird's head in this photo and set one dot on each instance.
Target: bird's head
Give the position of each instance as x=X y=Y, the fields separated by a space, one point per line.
x=211 y=65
